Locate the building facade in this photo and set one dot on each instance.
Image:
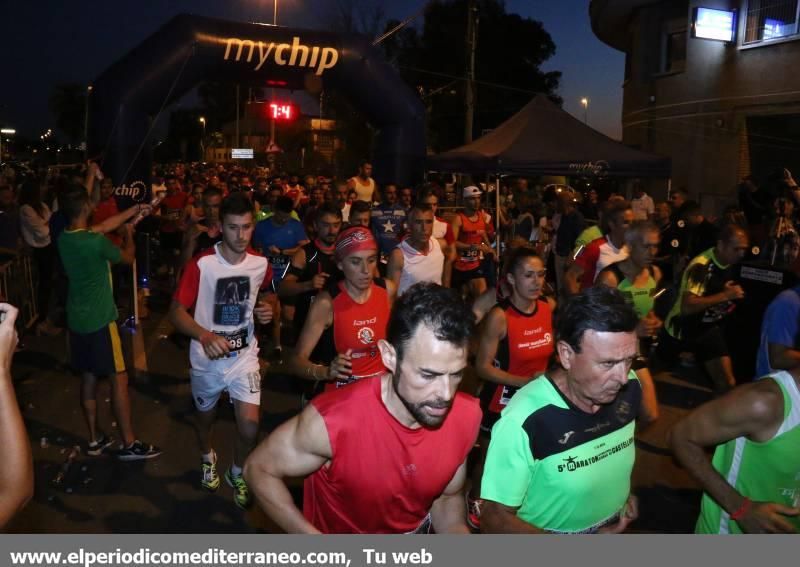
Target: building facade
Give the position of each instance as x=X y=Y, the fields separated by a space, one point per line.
x=304 y=138
x=722 y=109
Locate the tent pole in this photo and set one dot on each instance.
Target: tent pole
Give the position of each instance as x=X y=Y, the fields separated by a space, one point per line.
x=497 y=209
x=498 y=240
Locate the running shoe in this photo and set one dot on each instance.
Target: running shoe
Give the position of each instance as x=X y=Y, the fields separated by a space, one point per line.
x=210 y=480
x=138 y=451
x=474 y=512
x=99 y=447
x=241 y=494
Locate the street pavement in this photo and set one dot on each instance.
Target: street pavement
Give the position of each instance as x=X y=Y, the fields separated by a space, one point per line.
x=102 y=495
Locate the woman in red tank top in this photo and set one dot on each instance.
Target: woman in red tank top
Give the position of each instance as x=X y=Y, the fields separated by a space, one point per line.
x=516 y=343
x=347 y=319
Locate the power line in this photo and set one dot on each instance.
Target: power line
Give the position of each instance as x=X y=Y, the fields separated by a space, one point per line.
x=681 y=119
x=462 y=78
x=401 y=25
x=688 y=135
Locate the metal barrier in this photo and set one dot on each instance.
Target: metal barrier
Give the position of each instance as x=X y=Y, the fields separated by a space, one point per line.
x=17 y=287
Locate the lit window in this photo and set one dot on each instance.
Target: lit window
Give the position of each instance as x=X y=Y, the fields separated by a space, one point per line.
x=770 y=19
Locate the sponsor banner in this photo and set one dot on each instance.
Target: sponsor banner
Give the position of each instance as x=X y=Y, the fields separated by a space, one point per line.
x=295 y=54
x=597 y=168
x=135 y=193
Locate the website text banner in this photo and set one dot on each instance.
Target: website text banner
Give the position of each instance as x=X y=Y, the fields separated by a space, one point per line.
x=388 y=551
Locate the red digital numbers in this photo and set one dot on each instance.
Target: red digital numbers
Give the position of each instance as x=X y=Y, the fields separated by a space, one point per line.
x=280 y=111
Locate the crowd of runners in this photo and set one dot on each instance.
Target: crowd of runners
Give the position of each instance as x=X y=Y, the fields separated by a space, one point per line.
x=380 y=299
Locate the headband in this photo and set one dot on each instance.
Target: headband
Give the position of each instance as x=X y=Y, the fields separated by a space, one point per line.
x=354 y=239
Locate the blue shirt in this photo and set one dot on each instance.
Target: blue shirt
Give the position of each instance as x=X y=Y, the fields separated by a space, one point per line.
x=289 y=235
x=780 y=326
x=388 y=223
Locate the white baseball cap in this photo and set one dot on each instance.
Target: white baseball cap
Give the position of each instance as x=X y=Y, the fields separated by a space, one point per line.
x=471 y=191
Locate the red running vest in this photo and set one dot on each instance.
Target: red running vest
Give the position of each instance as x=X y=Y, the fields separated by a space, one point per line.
x=525 y=351
x=471 y=233
x=359 y=326
x=383 y=477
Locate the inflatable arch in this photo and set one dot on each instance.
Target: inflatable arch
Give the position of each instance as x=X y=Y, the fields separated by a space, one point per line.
x=191 y=49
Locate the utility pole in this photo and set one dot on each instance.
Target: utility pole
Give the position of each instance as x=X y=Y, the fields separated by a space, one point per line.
x=237 y=145
x=248 y=113
x=469 y=95
x=86 y=123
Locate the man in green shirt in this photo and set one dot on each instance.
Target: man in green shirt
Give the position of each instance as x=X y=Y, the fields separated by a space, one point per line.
x=561 y=455
x=752 y=484
x=96 y=350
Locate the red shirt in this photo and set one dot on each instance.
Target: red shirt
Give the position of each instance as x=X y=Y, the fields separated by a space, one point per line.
x=104 y=210
x=172 y=207
x=472 y=232
x=384 y=476
x=447 y=233
x=598 y=254
x=525 y=350
x=359 y=326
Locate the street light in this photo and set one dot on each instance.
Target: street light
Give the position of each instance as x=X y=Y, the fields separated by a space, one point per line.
x=585 y=103
x=89 y=89
x=202 y=140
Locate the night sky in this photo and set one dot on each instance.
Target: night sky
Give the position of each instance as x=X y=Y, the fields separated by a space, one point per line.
x=47 y=42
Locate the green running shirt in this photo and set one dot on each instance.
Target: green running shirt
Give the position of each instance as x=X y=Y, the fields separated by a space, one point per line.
x=763 y=472
x=87 y=257
x=640 y=297
x=564 y=469
x=704 y=276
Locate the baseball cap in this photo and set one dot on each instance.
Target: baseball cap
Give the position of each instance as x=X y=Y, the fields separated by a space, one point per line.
x=471 y=191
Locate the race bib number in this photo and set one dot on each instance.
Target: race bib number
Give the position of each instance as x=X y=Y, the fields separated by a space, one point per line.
x=237 y=340
x=470 y=255
x=505 y=395
x=502 y=395
x=280 y=263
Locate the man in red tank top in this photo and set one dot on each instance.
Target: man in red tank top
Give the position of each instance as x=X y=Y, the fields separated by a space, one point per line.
x=385 y=454
x=472 y=244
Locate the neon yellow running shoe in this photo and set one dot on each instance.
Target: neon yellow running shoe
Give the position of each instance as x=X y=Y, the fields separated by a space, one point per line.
x=241 y=494
x=210 y=480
